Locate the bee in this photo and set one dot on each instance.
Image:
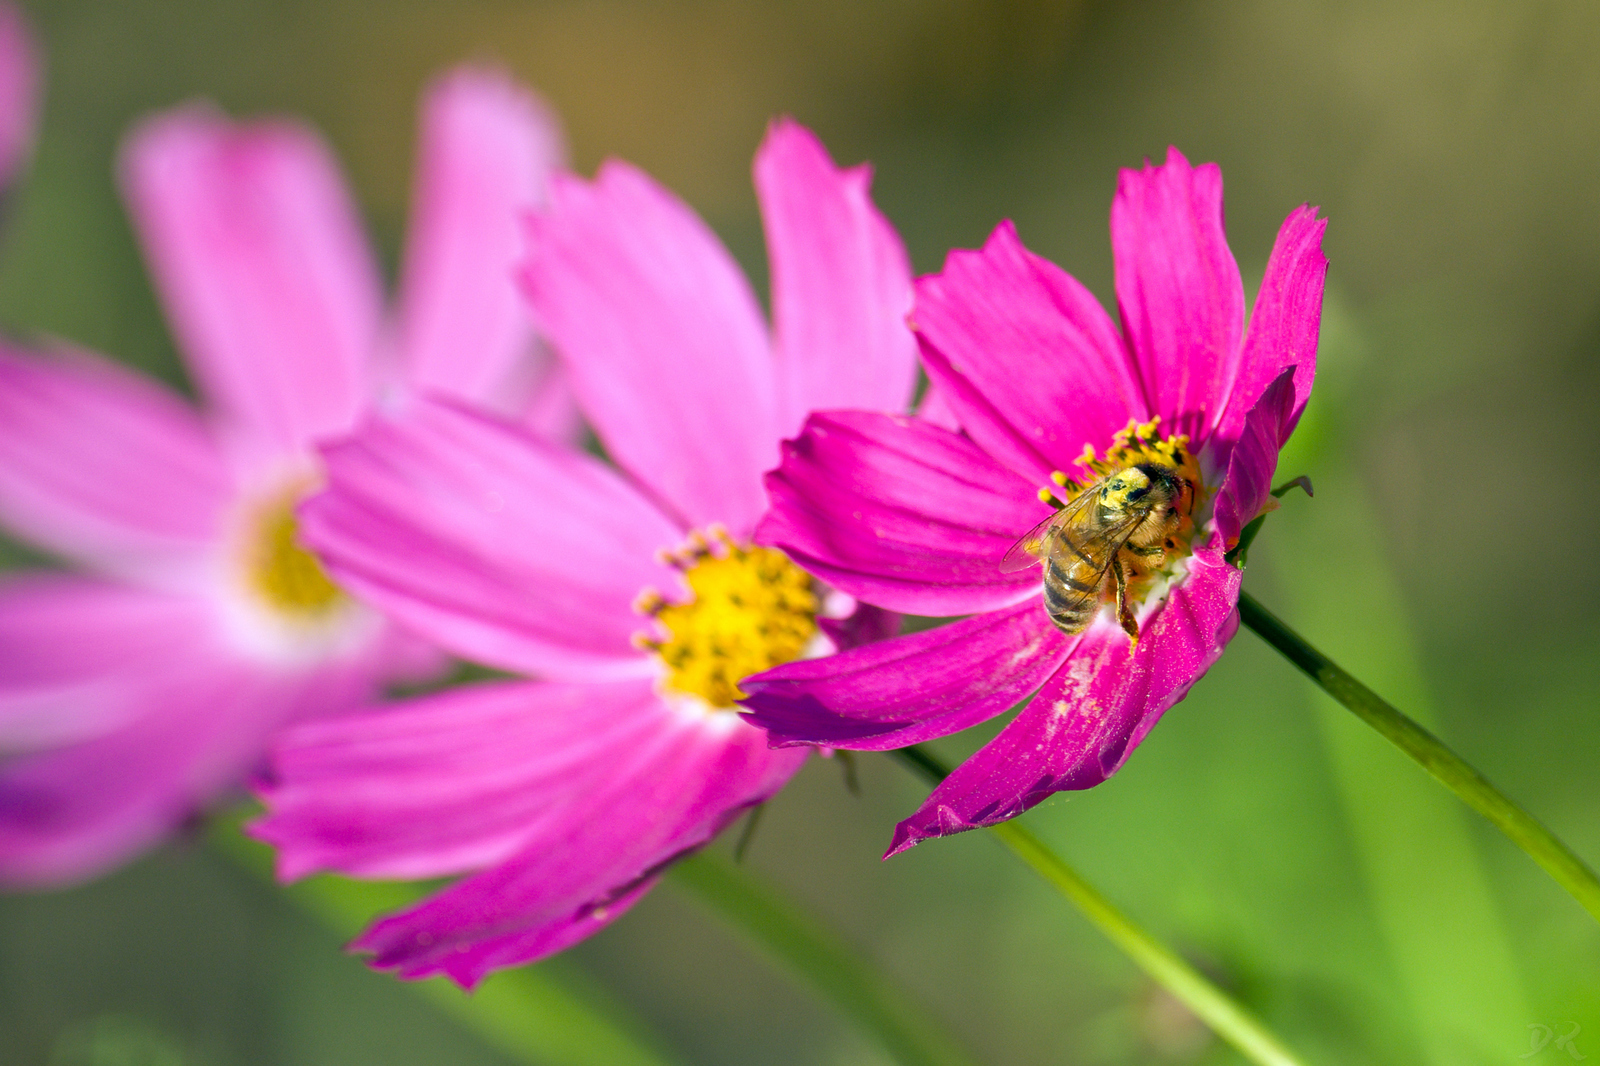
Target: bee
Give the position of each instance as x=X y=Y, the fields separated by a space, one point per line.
x=1120 y=527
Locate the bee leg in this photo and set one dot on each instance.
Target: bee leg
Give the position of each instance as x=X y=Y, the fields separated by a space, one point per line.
x=1124 y=615
x=1152 y=556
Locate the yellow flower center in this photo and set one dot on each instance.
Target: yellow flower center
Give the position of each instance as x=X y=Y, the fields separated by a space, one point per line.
x=286 y=576
x=751 y=609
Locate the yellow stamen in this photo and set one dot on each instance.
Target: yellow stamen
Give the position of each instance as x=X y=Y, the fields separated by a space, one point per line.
x=287 y=577
x=751 y=610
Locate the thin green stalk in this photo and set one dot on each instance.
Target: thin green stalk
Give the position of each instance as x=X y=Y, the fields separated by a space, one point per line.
x=533 y=1015
x=1166 y=967
x=1543 y=846
x=862 y=993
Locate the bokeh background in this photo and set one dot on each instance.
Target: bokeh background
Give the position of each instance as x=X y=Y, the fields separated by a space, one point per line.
x=1449 y=557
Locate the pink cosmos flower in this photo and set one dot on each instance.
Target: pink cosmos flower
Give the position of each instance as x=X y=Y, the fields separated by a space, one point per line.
x=916 y=518
x=635 y=596
x=134 y=691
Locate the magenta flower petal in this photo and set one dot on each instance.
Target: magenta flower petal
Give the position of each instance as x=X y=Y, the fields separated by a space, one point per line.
x=501 y=547
x=104 y=466
x=1248 y=483
x=920 y=523
x=1283 y=323
x=935 y=408
x=912 y=688
x=1024 y=355
x=841 y=282
x=864 y=625
x=548 y=407
x=19 y=91
x=264 y=272
x=75 y=811
x=621 y=272
x=1178 y=289
x=448 y=783
x=1090 y=716
x=486 y=152
x=602 y=848
x=66 y=643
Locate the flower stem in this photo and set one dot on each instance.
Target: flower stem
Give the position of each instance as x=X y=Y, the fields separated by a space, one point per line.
x=1543 y=846
x=538 y=1015
x=862 y=993
x=1166 y=967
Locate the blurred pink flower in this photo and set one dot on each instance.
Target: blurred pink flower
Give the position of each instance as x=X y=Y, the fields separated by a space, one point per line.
x=917 y=518
x=564 y=798
x=132 y=693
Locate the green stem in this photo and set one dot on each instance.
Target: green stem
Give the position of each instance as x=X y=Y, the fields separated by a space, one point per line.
x=1166 y=967
x=912 y=1037
x=533 y=1014
x=1543 y=846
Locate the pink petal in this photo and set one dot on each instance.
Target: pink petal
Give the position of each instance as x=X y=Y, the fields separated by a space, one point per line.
x=901 y=513
x=600 y=850
x=262 y=267
x=501 y=547
x=1253 y=460
x=1283 y=324
x=19 y=90
x=935 y=408
x=549 y=409
x=841 y=283
x=486 y=152
x=447 y=783
x=194 y=726
x=663 y=342
x=864 y=625
x=67 y=646
x=912 y=688
x=1089 y=717
x=1178 y=289
x=106 y=467
x=1024 y=355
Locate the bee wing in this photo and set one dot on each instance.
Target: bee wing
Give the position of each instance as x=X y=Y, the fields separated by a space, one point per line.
x=1103 y=543
x=1030 y=548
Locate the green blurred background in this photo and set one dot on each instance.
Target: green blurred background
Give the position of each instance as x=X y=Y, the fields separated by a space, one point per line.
x=1448 y=558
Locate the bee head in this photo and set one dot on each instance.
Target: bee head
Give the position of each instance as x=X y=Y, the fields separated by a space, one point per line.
x=1127 y=488
x=1165 y=484
x=1146 y=486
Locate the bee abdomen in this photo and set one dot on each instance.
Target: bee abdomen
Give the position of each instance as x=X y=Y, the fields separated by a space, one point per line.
x=1071 y=603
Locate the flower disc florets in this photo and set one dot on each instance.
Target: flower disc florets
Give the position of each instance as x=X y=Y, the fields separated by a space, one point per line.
x=286 y=576
x=751 y=610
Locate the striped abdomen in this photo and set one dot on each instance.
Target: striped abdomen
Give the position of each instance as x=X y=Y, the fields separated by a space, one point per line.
x=1076 y=569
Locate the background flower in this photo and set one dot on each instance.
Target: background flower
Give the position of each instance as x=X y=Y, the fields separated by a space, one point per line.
x=130 y=693
x=914 y=517
x=564 y=798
